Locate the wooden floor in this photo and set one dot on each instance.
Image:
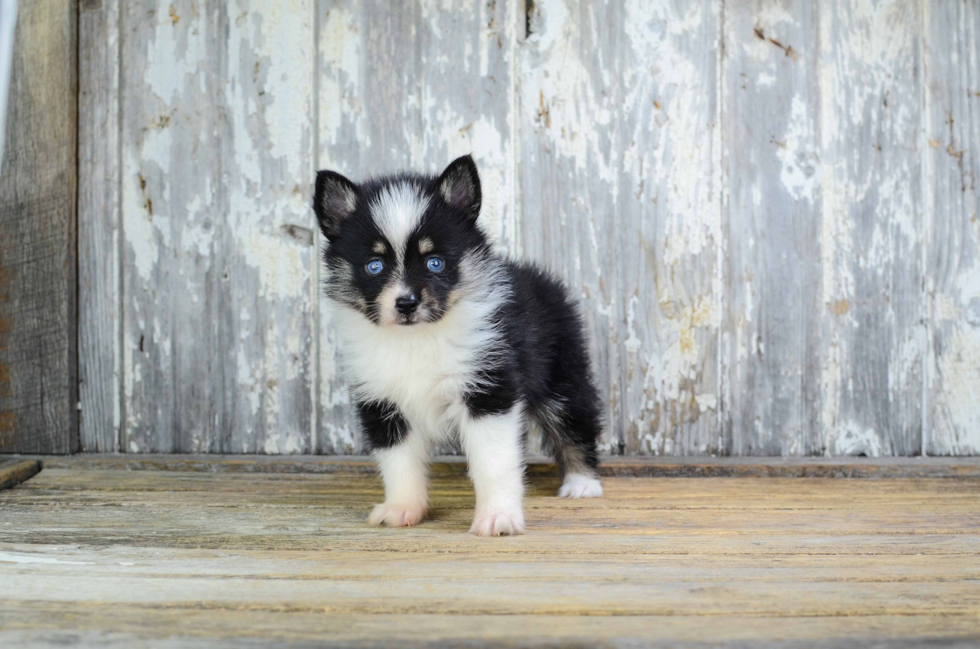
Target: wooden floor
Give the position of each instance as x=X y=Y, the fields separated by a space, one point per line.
x=110 y=557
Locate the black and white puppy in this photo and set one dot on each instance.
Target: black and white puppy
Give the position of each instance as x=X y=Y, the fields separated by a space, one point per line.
x=441 y=336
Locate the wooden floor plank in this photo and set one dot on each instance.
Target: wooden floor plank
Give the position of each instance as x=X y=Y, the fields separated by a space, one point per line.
x=209 y=628
x=189 y=558
x=13 y=472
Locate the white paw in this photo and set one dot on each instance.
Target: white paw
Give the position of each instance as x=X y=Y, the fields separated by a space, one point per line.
x=577 y=485
x=396 y=514
x=498 y=522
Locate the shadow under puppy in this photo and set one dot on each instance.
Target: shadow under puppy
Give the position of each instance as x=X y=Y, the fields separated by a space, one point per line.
x=440 y=336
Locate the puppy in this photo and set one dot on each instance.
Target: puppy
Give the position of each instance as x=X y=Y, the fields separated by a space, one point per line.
x=441 y=336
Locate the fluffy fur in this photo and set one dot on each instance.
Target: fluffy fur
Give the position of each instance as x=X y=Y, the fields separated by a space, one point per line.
x=443 y=337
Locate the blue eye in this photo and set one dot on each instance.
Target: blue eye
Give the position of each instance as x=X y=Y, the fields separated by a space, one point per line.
x=374 y=267
x=435 y=264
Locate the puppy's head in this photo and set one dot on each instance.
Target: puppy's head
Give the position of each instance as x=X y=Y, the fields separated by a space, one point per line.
x=399 y=247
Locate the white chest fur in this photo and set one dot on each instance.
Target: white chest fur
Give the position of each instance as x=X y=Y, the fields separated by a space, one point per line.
x=423 y=369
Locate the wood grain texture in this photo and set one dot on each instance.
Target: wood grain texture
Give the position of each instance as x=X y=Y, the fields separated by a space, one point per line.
x=952 y=160
x=864 y=373
x=412 y=88
x=218 y=298
x=621 y=199
x=38 y=293
x=287 y=559
x=772 y=223
x=99 y=307
x=767 y=208
x=221 y=629
x=14 y=472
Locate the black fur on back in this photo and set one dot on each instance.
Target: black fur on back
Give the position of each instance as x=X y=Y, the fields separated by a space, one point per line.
x=547 y=367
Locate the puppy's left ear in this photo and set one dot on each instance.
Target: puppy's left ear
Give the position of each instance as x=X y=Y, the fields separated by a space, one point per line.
x=459 y=186
x=334 y=200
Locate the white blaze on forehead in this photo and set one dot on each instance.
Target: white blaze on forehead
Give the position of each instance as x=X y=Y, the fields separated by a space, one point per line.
x=397 y=210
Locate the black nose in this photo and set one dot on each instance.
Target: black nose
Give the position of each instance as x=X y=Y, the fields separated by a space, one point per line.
x=406 y=304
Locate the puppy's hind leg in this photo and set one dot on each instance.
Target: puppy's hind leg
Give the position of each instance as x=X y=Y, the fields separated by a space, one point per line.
x=572 y=432
x=580 y=484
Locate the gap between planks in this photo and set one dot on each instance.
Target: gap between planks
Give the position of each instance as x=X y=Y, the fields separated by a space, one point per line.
x=654 y=467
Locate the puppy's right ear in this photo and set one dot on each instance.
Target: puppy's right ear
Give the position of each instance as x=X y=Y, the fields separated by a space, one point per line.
x=334 y=200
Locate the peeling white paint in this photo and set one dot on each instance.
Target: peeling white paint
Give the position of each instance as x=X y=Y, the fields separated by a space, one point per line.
x=340 y=91
x=173 y=61
x=608 y=161
x=283 y=272
x=957 y=405
x=852 y=439
x=798 y=173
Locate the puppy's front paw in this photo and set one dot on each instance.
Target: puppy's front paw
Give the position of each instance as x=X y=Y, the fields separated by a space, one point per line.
x=577 y=485
x=396 y=514
x=498 y=522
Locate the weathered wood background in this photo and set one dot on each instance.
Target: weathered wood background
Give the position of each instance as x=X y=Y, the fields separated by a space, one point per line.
x=38 y=280
x=769 y=209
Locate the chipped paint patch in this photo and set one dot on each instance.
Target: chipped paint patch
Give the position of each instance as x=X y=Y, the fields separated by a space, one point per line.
x=619 y=154
x=852 y=439
x=799 y=161
x=282 y=268
x=957 y=405
x=342 y=112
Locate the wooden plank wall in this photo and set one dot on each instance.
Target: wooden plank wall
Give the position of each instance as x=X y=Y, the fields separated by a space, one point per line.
x=38 y=357
x=448 y=88
x=952 y=225
x=768 y=208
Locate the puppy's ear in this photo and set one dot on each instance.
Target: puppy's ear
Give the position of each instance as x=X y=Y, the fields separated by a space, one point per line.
x=459 y=185
x=334 y=200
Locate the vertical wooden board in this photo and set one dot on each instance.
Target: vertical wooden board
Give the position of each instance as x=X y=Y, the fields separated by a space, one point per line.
x=412 y=86
x=169 y=188
x=217 y=139
x=268 y=159
x=668 y=197
x=99 y=315
x=951 y=54
x=773 y=225
x=569 y=168
x=621 y=199
x=38 y=296
x=864 y=392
